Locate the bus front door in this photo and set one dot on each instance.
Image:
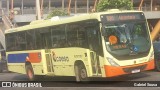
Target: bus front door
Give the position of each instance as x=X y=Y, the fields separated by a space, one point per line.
x=49 y=60
x=95 y=64
x=94 y=47
x=46 y=44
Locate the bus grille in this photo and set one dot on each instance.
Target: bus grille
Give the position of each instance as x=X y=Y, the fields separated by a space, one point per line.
x=129 y=70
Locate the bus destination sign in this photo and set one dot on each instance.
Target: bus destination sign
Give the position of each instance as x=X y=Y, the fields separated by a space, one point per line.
x=122 y=17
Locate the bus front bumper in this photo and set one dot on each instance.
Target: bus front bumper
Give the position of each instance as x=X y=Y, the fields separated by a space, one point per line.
x=112 y=71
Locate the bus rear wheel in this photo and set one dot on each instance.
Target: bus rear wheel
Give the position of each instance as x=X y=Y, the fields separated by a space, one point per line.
x=81 y=73
x=30 y=73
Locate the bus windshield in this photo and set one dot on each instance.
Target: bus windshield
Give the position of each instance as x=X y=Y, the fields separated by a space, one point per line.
x=127 y=39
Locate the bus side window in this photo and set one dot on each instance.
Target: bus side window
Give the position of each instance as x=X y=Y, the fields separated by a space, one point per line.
x=72 y=31
x=30 y=38
x=94 y=39
x=21 y=41
x=82 y=38
x=10 y=42
x=76 y=35
x=45 y=35
x=38 y=39
x=58 y=36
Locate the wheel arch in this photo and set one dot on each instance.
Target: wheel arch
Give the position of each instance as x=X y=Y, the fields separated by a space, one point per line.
x=80 y=62
x=28 y=63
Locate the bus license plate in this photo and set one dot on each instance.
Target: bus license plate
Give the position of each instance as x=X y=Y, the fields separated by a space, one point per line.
x=136 y=71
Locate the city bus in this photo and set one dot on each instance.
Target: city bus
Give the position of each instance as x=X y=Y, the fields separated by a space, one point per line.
x=103 y=44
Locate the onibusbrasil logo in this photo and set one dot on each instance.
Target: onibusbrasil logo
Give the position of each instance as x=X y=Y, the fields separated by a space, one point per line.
x=21 y=84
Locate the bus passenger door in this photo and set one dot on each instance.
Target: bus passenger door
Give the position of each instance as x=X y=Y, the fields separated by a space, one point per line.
x=93 y=42
x=46 y=37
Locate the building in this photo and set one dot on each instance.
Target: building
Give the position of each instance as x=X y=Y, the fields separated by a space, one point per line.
x=25 y=10
x=22 y=12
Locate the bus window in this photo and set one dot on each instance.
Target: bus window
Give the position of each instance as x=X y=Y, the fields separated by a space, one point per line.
x=38 y=39
x=76 y=35
x=132 y=38
x=46 y=38
x=139 y=30
x=93 y=39
x=21 y=41
x=72 y=33
x=94 y=36
x=10 y=42
x=58 y=36
x=82 y=38
x=30 y=38
x=140 y=35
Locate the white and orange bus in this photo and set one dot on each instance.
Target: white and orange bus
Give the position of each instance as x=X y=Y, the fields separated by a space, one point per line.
x=103 y=44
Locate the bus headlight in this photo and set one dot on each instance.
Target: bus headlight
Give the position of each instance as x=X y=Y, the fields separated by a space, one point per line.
x=112 y=62
x=151 y=56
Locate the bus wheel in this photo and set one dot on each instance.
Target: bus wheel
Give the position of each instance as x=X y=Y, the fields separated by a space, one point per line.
x=30 y=73
x=157 y=65
x=81 y=73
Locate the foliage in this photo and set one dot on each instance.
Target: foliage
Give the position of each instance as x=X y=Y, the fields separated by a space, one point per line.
x=114 y=4
x=57 y=12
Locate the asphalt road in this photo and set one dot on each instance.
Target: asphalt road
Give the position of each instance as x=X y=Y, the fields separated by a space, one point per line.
x=68 y=83
x=143 y=76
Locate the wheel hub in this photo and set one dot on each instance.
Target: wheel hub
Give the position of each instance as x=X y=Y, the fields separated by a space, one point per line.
x=83 y=73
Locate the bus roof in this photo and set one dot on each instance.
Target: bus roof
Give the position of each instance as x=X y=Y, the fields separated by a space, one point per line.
x=64 y=20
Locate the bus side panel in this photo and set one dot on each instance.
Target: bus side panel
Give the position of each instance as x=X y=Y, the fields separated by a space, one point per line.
x=16 y=61
x=18 y=68
x=64 y=63
x=43 y=65
x=37 y=61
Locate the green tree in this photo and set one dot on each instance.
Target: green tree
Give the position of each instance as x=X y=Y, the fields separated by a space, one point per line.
x=57 y=12
x=114 y=4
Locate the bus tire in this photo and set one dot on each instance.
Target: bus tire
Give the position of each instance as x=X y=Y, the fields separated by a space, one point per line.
x=30 y=73
x=81 y=73
x=157 y=65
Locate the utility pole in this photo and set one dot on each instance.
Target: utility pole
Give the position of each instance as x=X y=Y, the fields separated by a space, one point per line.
x=12 y=10
x=41 y=8
x=87 y=6
x=94 y=7
x=69 y=7
x=140 y=5
x=75 y=6
x=155 y=31
x=38 y=11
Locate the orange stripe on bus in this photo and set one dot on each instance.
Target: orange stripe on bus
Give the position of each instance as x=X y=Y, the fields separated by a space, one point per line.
x=34 y=58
